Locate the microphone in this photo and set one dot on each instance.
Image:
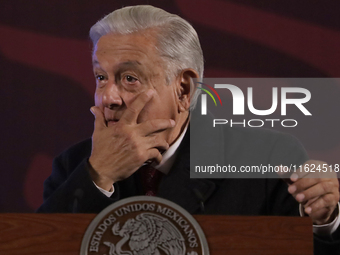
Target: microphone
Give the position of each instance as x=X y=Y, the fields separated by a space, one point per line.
x=78 y=194
x=201 y=199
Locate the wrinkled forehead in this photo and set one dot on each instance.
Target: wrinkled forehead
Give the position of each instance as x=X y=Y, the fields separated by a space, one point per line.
x=129 y=52
x=136 y=51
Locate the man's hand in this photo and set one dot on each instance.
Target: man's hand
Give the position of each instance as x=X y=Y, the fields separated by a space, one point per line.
x=119 y=150
x=316 y=190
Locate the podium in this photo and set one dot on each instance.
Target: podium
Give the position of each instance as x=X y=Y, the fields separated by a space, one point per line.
x=61 y=234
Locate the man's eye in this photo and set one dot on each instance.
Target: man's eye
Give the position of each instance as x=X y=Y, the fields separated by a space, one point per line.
x=100 y=77
x=130 y=79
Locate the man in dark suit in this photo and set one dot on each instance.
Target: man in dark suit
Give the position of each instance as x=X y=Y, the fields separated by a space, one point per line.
x=144 y=61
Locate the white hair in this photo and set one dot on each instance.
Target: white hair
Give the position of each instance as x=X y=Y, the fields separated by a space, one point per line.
x=177 y=41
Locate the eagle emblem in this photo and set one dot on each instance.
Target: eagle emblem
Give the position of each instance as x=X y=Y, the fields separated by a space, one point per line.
x=147 y=234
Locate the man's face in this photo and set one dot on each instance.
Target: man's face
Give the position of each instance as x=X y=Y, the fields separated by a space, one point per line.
x=124 y=67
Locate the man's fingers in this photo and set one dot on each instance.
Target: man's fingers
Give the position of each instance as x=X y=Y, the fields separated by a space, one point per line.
x=302 y=184
x=155 y=154
x=157 y=142
x=319 y=189
x=99 y=117
x=309 y=202
x=316 y=187
x=325 y=201
x=156 y=125
x=132 y=112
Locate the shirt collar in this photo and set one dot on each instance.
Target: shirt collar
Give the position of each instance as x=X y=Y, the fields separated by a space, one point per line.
x=170 y=155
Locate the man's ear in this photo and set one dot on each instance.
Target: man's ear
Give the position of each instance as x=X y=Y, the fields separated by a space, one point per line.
x=185 y=79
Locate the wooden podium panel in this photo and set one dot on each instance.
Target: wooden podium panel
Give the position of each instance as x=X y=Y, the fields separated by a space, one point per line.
x=52 y=234
x=265 y=235
x=61 y=234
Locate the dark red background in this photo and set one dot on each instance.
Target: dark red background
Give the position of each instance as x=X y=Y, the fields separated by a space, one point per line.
x=47 y=84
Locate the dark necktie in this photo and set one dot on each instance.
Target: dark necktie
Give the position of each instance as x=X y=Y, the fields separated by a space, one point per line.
x=151 y=178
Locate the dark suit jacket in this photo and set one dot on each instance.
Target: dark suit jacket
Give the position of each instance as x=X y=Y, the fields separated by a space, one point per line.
x=70 y=181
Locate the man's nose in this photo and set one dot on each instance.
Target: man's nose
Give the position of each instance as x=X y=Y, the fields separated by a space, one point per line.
x=111 y=96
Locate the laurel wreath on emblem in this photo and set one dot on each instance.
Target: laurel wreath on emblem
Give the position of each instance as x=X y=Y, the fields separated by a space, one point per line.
x=148 y=234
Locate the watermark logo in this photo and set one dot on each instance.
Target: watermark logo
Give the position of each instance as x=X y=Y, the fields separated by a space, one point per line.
x=204 y=97
x=281 y=98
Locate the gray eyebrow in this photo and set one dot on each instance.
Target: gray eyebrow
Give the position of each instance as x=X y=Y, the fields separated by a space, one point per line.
x=131 y=63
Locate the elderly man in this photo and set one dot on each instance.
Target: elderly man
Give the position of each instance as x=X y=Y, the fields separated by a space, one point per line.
x=144 y=61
